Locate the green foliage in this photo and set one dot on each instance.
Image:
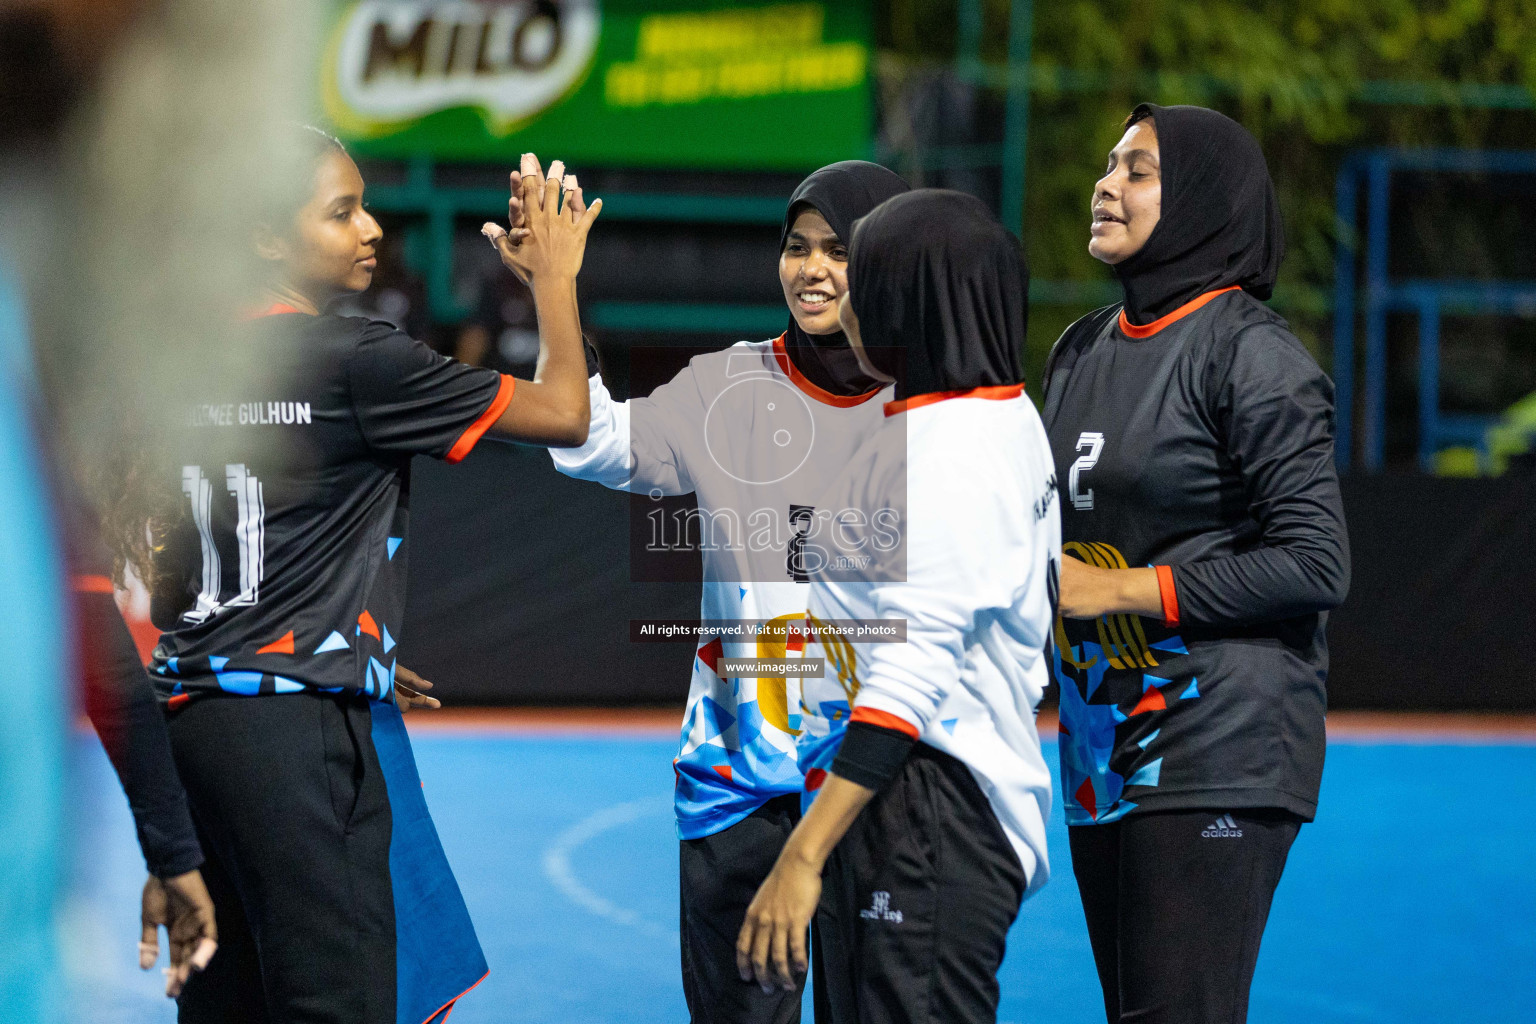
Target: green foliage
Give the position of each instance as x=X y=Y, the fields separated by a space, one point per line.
x=1311 y=79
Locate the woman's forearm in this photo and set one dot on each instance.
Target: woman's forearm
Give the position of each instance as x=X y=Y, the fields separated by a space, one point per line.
x=552 y=409
x=837 y=804
x=1265 y=585
x=562 y=360
x=1088 y=591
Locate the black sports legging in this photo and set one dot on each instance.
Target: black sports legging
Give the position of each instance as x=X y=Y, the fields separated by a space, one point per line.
x=1176 y=904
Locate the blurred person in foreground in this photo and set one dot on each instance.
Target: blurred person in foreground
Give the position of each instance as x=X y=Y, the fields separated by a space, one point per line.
x=49 y=53
x=1205 y=544
x=33 y=728
x=926 y=788
x=754 y=431
x=122 y=707
x=279 y=564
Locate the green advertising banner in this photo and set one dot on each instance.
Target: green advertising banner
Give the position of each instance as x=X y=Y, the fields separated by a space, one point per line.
x=678 y=83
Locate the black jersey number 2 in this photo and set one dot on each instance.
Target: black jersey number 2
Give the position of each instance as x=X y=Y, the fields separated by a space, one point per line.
x=250 y=536
x=1083 y=500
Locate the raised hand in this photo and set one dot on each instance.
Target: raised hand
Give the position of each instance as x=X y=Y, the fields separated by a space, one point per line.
x=537 y=220
x=544 y=248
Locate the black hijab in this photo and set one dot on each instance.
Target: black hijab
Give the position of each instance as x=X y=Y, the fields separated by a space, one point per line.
x=1220 y=223
x=842 y=193
x=933 y=275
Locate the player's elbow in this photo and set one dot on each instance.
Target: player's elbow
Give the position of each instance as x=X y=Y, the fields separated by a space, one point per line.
x=571 y=431
x=1327 y=578
x=1336 y=583
x=580 y=425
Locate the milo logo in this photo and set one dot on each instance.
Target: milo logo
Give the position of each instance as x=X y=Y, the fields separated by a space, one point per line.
x=396 y=60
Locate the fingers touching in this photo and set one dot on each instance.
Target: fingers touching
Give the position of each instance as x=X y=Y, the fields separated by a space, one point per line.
x=575 y=205
x=536 y=215
x=528 y=180
x=515 y=213
x=533 y=190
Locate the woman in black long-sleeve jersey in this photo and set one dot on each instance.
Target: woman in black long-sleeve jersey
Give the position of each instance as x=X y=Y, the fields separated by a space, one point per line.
x=1193 y=440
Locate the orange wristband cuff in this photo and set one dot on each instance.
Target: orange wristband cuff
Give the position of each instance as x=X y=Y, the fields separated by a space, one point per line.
x=884 y=719
x=1169 y=594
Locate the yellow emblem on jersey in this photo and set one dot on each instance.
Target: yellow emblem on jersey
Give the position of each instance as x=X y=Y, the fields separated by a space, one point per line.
x=1121 y=635
x=774 y=642
x=840 y=657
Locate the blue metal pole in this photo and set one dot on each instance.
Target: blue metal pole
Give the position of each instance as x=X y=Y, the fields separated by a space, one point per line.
x=1378 y=181
x=1346 y=187
x=1429 y=380
x=1021 y=30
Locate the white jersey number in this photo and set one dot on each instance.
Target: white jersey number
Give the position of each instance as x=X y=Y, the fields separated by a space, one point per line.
x=250 y=535
x=1083 y=500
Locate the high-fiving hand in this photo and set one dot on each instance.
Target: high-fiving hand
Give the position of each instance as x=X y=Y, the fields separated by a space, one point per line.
x=543 y=237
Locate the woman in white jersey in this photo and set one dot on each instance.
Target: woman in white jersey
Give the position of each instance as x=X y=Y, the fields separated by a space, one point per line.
x=755 y=431
x=930 y=794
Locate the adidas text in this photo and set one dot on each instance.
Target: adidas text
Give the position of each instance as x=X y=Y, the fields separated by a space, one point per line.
x=1222 y=828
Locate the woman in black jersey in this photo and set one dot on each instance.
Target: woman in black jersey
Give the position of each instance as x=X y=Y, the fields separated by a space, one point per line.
x=280 y=590
x=1193 y=441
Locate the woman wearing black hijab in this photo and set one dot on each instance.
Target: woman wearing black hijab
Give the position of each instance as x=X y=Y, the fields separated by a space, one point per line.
x=1193 y=440
x=926 y=787
x=821 y=214
x=755 y=432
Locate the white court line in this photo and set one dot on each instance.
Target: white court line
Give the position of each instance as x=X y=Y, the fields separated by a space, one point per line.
x=557 y=864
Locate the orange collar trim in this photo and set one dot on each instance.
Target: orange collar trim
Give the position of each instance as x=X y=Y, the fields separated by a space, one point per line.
x=804 y=383
x=272 y=310
x=1146 y=331
x=995 y=393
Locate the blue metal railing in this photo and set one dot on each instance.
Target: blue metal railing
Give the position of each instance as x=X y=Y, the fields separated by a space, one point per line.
x=1429 y=298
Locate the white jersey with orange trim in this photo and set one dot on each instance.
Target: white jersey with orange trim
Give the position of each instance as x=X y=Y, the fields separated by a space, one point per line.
x=755 y=442
x=976 y=588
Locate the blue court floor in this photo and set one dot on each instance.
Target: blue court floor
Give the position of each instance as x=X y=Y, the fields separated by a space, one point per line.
x=1412 y=899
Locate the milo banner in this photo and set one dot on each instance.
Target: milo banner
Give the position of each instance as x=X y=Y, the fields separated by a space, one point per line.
x=676 y=83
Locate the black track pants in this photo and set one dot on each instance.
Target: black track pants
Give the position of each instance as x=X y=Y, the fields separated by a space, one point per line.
x=916 y=903
x=718 y=876
x=1176 y=904
x=299 y=801
x=294 y=819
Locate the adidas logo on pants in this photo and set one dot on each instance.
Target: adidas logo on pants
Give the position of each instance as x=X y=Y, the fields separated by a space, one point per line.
x=1222 y=828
